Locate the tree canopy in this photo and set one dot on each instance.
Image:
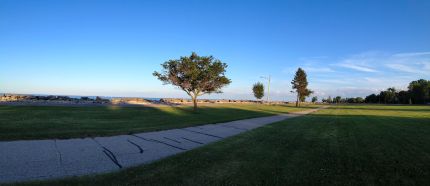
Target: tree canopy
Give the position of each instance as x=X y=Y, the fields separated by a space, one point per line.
x=418 y=93
x=258 y=90
x=314 y=99
x=300 y=84
x=196 y=75
x=337 y=99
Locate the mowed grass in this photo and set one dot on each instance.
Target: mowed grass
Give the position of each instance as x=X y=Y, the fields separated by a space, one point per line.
x=45 y=122
x=341 y=145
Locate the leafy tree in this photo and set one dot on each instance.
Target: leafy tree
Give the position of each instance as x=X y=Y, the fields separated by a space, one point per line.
x=196 y=75
x=258 y=90
x=337 y=99
x=381 y=97
x=300 y=84
x=314 y=99
x=305 y=95
x=372 y=98
x=404 y=97
x=343 y=100
x=390 y=95
x=420 y=91
x=355 y=100
x=359 y=100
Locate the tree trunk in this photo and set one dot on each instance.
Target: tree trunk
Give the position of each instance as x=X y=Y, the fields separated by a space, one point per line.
x=194 y=98
x=297 y=102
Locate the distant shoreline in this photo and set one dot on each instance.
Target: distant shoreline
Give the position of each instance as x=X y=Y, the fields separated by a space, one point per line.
x=53 y=100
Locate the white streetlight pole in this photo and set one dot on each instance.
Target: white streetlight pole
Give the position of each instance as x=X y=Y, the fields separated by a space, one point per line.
x=268 y=87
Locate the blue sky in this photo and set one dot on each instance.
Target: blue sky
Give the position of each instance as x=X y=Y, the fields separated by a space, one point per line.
x=111 y=48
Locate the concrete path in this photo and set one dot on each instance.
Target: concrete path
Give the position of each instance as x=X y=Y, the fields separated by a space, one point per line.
x=49 y=159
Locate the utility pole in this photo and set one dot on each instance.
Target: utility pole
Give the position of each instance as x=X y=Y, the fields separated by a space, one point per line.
x=268 y=87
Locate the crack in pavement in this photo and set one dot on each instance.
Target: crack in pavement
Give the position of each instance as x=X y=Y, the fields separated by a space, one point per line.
x=140 y=148
x=112 y=157
x=192 y=140
x=171 y=139
x=202 y=133
x=60 y=156
x=157 y=141
x=109 y=154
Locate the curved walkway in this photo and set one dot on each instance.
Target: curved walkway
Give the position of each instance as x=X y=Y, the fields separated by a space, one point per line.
x=49 y=159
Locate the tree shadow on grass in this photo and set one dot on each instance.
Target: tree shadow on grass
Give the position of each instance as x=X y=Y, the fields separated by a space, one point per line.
x=42 y=122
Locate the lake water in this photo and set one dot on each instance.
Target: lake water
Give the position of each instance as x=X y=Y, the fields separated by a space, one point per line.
x=91 y=97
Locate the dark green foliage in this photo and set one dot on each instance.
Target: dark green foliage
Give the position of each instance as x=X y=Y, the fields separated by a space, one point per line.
x=314 y=99
x=306 y=94
x=354 y=100
x=258 y=90
x=337 y=99
x=300 y=84
x=418 y=93
x=358 y=100
x=196 y=75
x=388 y=96
x=404 y=97
x=372 y=98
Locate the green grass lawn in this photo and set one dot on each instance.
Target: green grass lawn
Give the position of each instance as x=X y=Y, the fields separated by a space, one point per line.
x=43 y=122
x=341 y=145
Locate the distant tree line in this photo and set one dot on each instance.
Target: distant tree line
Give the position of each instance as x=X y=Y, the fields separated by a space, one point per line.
x=339 y=99
x=418 y=93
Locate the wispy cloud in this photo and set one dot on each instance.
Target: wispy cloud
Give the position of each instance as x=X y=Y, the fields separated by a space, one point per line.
x=414 y=62
x=316 y=64
x=361 y=74
x=404 y=68
x=369 y=72
x=357 y=67
x=411 y=62
x=364 y=62
x=322 y=69
x=411 y=54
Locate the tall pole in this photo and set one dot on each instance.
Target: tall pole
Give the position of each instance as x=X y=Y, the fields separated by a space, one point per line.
x=268 y=86
x=268 y=91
